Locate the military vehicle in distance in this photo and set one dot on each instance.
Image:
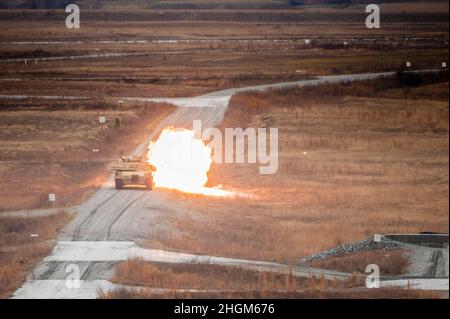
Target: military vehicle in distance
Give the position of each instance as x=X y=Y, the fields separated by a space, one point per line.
x=133 y=171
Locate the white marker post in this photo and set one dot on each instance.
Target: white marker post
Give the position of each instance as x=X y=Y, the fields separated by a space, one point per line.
x=52 y=199
x=102 y=119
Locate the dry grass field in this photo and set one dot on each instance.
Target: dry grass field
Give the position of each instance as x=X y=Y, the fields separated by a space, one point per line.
x=19 y=252
x=189 y=52
x=51 y=148
x=46 y=147
x=354 y=160
x=209 y=281
x=390 y=262
x=212 y=281
x=137 y=272
x=311 y=293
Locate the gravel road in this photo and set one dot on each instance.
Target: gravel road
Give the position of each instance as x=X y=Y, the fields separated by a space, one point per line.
x=111 y=222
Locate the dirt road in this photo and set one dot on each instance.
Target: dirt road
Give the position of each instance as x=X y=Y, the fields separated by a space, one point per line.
x=107 y=226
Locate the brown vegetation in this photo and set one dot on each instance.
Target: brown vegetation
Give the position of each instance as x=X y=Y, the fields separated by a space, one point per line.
x=349 y=166
x=221 y=48
x=304 y=294
x=137 y=272
x=19 y=252
x=355 y=159
x=17 y=230
x=148 y=280
x=390 y=262
x=48 y=148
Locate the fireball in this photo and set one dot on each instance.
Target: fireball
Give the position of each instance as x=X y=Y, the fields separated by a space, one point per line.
x=182 y=162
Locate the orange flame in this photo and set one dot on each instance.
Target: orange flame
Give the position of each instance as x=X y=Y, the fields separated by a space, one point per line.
x=182 y=162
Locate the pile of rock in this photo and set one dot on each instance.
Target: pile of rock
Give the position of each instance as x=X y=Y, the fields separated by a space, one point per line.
x=362 y=245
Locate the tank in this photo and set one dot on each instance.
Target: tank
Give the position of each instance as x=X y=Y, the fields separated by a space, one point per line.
x=133 y=171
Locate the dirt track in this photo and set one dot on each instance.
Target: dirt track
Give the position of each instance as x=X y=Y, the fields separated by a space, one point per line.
x=111 y=221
